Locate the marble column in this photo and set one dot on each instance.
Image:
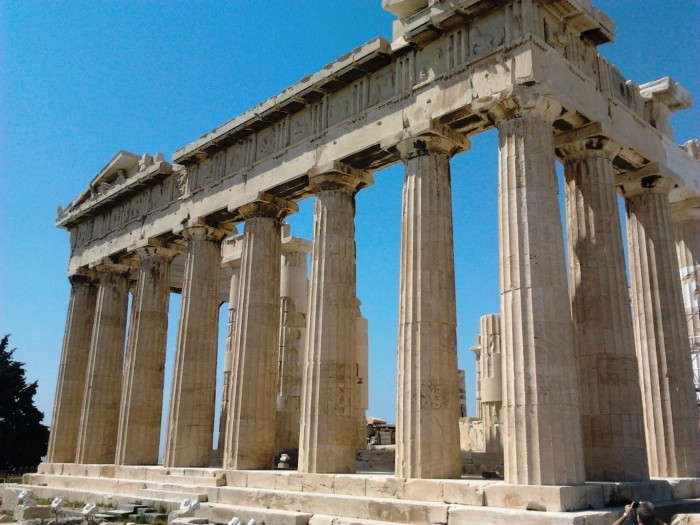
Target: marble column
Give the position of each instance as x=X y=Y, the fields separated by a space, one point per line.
x=362 y=380
x=427 y=421
x=250 y=436
x=612 y=423
x=70 y=388
x=490 y=365
x=542 y=437
x=327 y=442
x=97 y=437
x=144 y=372
x=192 y=398
x=294 y=299
x=665 y=373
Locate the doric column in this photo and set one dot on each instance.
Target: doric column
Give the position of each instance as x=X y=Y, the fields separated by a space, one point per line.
x=191 y=419
x=70 y=388
x=610 y=399
x=427 y=420
x=250 y=436
x=477 y=376
x=362 y=380
x=670 y=409
x=491 y=382
x=327 y=440
x=234 y=261
x=293 y=306
x=97 y=438
x=542 y=438
x=142 y=395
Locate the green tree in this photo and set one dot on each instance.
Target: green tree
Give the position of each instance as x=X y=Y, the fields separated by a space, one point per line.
x=23 y=438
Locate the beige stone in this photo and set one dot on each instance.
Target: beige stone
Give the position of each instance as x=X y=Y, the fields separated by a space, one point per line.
x=665 y=373
x=70 y=387
x=610 y=402
x=329 y=417
x=427 y=426
x=191 y=416
x=250 y=434
x=142 y=397
x=97 y=438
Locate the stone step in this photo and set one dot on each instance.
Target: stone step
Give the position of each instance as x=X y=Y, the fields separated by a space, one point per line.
x=356 y=506
x=222 y=513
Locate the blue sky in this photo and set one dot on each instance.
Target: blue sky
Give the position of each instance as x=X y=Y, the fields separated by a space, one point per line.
x=81 y=80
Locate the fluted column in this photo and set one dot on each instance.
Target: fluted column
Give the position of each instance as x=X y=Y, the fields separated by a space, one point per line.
x=142 y=396
x=97 y=438
x=670 y=409
x=490 y=366
x=427 y=421
x=70 y=388
x=327 y=440
x=542 y=438
x=191 y=418
x=250 y=436
x=234 y=288
x=610 y=399
x=294 y=299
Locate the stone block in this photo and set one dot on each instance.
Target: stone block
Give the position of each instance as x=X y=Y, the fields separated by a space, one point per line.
x=617 y=494
x=385 y=487
x=463 y=492
x=6 y=518
x=350 y=485
x=544 y=498
x=29 y=513
x=423 y=490
x=686 y=519
x=318 y=483
x=289 y=481
x=236 y=478
x=684 y=488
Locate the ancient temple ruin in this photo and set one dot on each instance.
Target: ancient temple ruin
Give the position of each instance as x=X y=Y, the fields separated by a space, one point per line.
x=578 y=377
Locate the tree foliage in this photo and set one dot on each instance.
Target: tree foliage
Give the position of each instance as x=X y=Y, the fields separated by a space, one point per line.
x=23 y=437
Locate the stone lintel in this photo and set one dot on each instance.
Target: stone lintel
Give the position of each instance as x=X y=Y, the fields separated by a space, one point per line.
x=667 y=92
x=337 y=175
x=267 y=205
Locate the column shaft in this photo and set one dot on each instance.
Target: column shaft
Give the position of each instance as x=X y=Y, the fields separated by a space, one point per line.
x=70 y=388
x=612 y=423
x=668 y=396
x=191 y=419
x=250 y=439
x=491 y=397
x=228 y=357
x=542 y=439
x=328 y=415
x=427 y=423
x=97 y=439
x=142 y=397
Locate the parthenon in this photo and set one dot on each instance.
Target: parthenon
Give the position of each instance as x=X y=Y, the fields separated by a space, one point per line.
x=587 y=369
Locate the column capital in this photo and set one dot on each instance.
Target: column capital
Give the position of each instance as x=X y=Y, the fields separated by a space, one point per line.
x=644 y=180
x=154 y=247
x=107 y=264
x=585 y=142
x=199 y=229
x=83 y=276
x=519 y=103
x=430 y=138
x=338 y=176
x=269 y=206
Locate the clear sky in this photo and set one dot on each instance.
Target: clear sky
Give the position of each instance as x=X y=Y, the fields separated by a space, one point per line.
x=81 y=80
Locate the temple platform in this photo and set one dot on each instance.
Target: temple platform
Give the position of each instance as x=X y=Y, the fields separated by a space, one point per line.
x=286 y=497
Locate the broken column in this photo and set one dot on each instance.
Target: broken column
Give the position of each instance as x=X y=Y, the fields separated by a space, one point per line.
x=328 y=414
x=491 y=382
